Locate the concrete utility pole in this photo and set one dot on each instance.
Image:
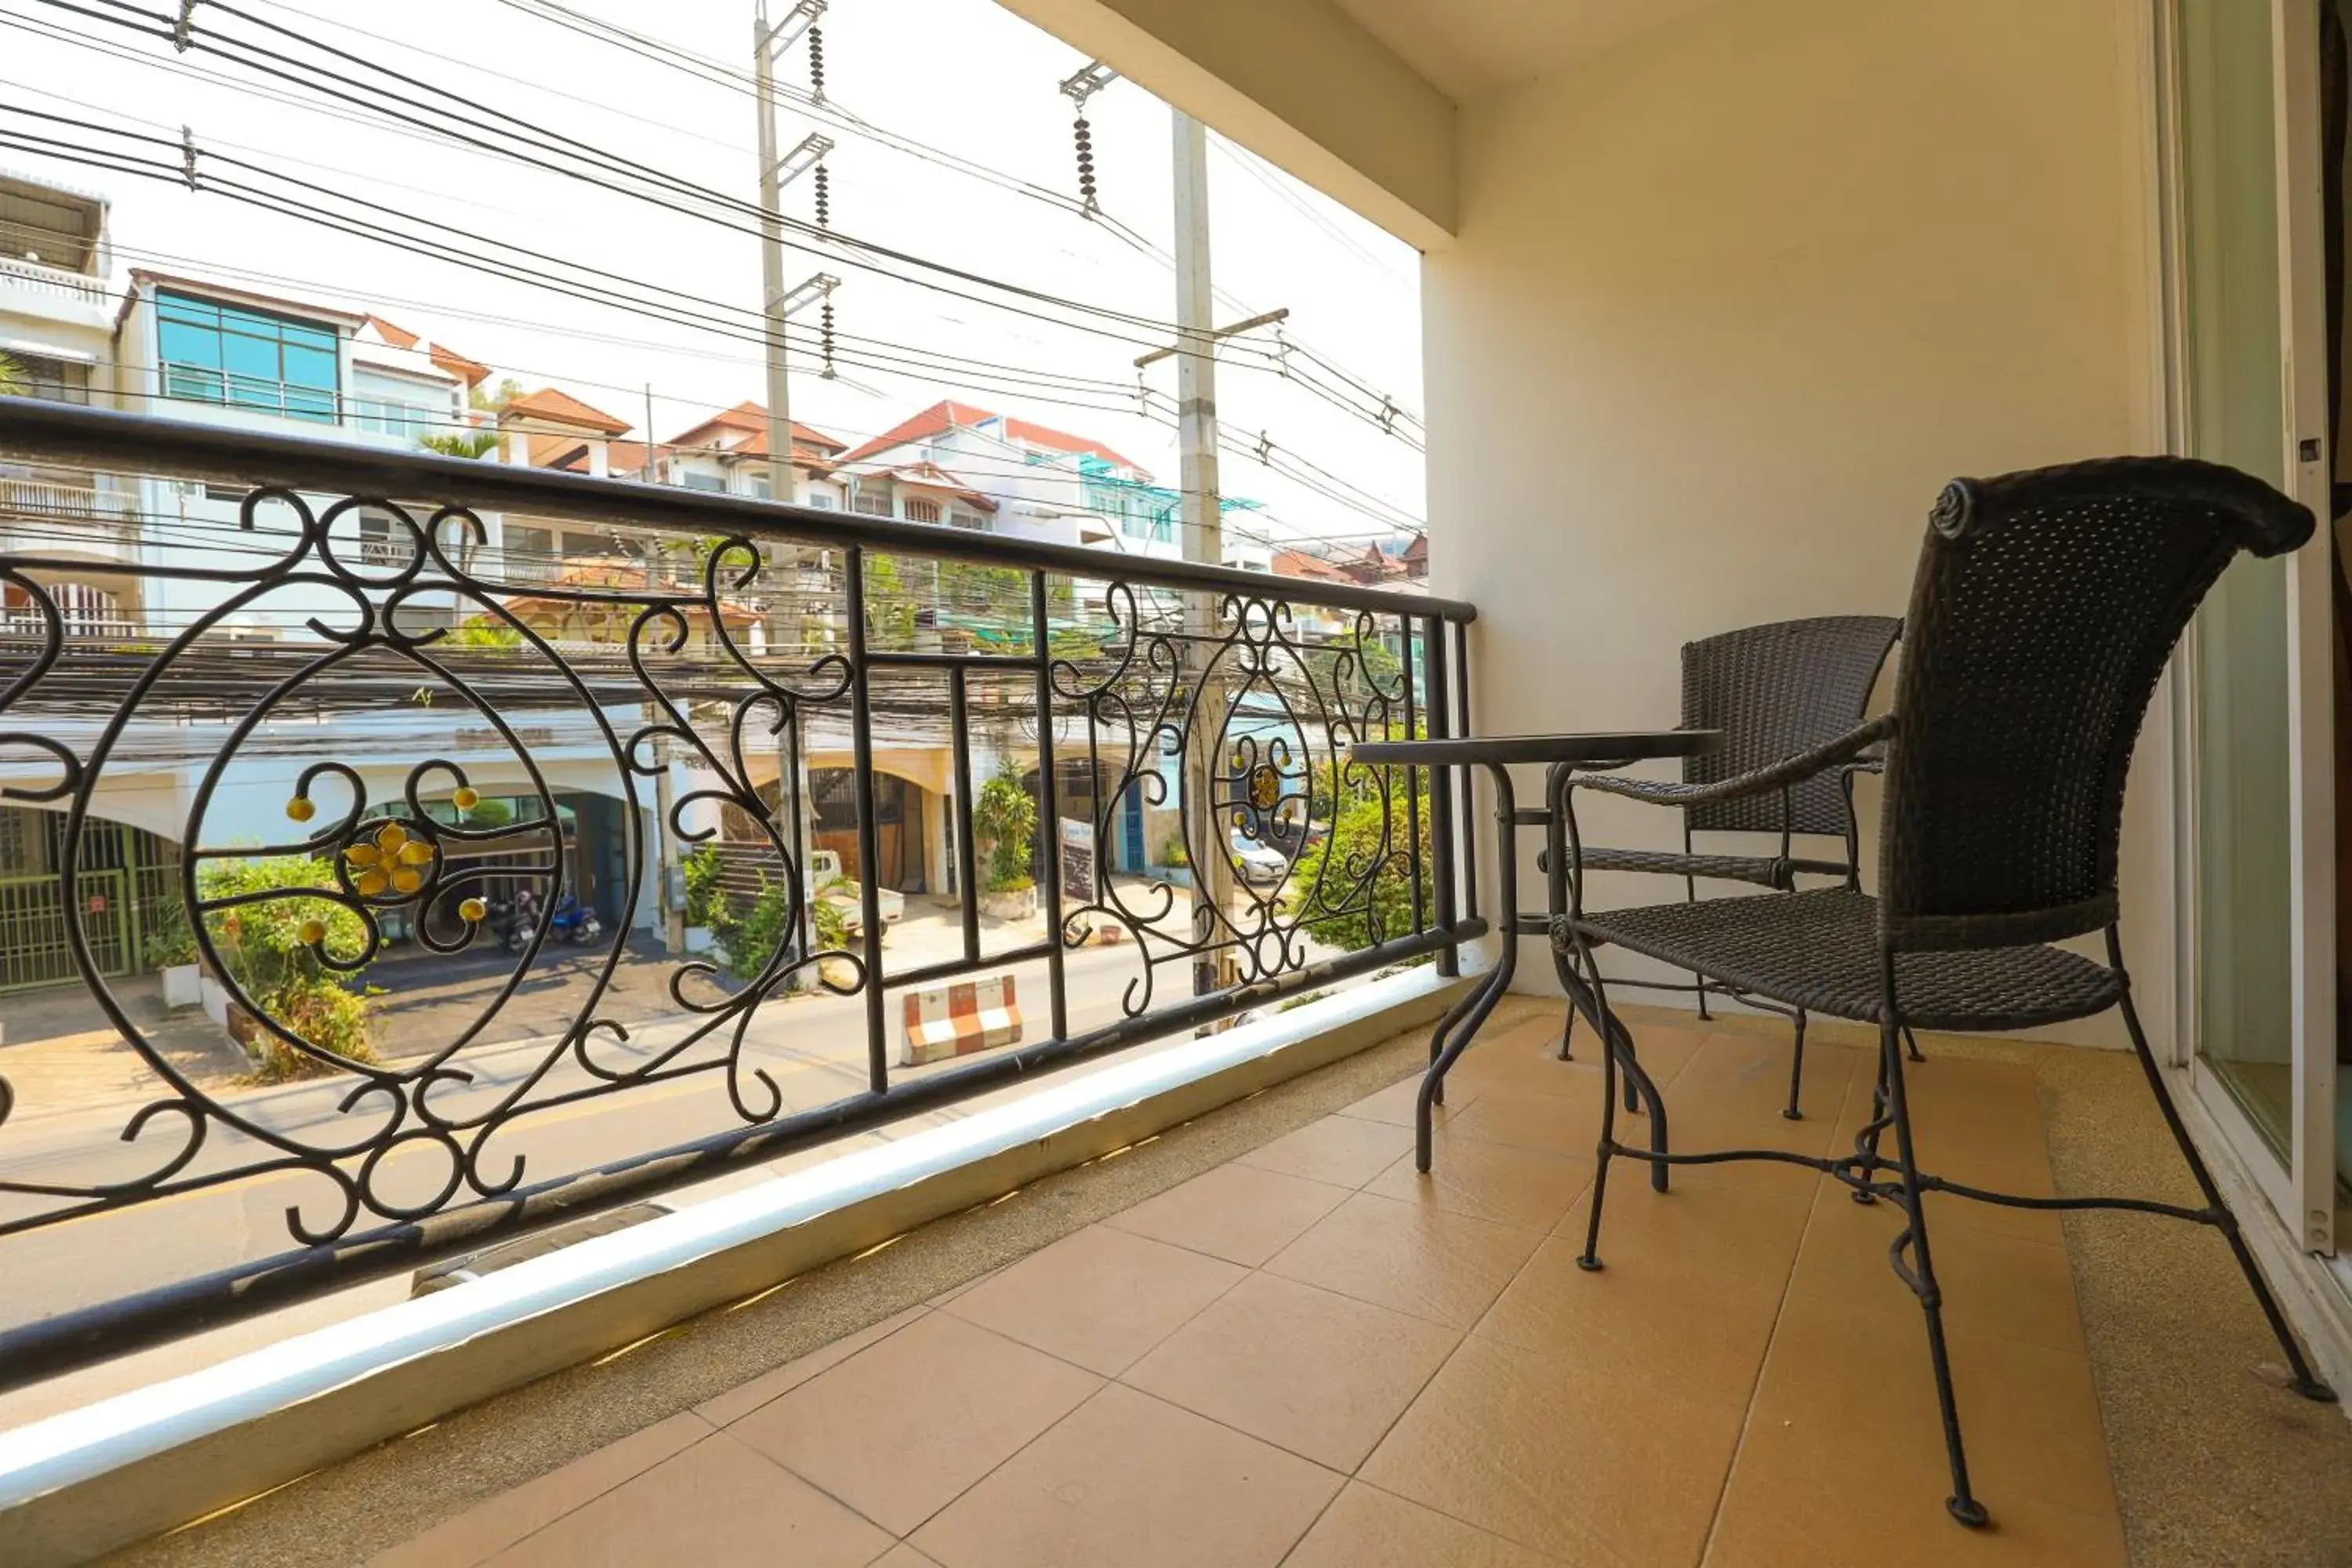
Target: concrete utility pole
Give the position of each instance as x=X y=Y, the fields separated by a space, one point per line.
x=768 y=42
x=1196 y=422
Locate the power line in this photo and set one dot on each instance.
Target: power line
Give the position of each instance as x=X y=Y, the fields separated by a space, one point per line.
x=375 y=116
x=680 y=314
x=705 y=68
x=604 y=167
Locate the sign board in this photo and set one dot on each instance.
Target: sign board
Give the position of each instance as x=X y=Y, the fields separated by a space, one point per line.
x=1078 y=861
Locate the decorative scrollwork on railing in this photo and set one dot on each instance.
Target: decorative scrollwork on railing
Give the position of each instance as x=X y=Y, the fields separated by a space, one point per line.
x=382 y=738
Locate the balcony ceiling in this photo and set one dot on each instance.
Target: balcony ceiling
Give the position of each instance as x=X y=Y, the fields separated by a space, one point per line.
x=1469 y=49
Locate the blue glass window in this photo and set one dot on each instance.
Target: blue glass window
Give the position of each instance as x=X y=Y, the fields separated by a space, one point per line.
x=248 y=358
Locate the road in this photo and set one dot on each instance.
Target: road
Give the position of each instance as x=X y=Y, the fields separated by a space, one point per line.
x=814 y=1046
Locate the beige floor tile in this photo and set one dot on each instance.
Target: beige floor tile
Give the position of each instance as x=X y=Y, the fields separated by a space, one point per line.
x=1554 y=1124
x=1991 y=1283
x=1742 y=1080
x=1131 y=1480
x=1394 y=1104
x=1447 y=1269
x=1988 y=1135
x=1701 y=1341
x=1322 y=1376
x=1522 y=1061
x=746 y=1398
x=1100 y=1296
x=904 y=1556
x=1663 y=1050
x=1496 y=1181
x=900 y=1429
x=1793 y=1504
x=716 y=1505
x=1238 y=1213
x=1345 y=1151
x=1858 y=1385
x=952 y=1291
x=498 y=1522
x=1366 y=1528
x=1561 y=1455
x=1718 y=1228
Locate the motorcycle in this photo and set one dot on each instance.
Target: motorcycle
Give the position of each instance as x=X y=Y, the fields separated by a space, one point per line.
x=574 y=922
x=516 y=921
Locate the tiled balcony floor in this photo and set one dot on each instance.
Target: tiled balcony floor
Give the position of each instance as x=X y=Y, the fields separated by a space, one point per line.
x=1313 y=1355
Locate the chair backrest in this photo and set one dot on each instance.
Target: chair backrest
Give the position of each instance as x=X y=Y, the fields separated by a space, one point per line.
x=1776 y=690
x=2044 y=608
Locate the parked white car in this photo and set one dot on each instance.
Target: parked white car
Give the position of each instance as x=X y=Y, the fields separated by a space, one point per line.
x=1260 y=864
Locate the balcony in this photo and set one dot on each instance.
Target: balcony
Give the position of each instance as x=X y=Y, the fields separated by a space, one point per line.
x=67 y=514
x=1120 y=1289
x=55 y=297
x=1263 y=1339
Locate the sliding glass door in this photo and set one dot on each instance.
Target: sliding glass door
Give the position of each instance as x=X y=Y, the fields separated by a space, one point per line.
x=2258 y=807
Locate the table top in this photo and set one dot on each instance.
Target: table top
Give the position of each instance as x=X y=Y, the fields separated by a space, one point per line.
x=1606 y=746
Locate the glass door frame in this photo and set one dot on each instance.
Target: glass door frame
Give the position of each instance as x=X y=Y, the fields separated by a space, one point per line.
x=2303 y=1189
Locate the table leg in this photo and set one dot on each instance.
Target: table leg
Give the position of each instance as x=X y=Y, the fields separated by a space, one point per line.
x=1463 y=1021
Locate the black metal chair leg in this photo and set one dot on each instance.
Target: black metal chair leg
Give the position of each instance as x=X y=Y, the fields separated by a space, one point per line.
x=1705 y=1016
x=2306 y=1383
x=1962 y=1504
x=1795 y=1110
x=1589 y=1259
x=1866 y=1143
x=1566 y=1032
x=1912 y=1042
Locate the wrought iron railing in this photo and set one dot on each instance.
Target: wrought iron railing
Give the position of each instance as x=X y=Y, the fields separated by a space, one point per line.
x=425 y=739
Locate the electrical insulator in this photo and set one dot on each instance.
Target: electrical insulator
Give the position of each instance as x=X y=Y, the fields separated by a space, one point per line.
x=816 y=63
x=1086 y=164
x=823 y=198
x=824 y=335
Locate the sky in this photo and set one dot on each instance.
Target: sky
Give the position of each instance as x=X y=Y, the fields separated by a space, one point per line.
x=961 y=74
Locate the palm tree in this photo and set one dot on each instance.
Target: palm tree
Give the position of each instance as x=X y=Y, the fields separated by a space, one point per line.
x=461 y=444
x=16 y=381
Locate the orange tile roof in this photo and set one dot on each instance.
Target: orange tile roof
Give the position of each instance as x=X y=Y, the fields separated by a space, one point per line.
x=942 y=416
x=473 y=373
x=752 y=419
x=563 y=408
x=1298 y=563
x=398 y=337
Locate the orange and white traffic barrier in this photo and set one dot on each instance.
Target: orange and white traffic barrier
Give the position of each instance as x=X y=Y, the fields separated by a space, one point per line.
x=956 y=1020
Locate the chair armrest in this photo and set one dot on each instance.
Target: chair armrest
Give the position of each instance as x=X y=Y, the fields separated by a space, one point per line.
x=1846 y=748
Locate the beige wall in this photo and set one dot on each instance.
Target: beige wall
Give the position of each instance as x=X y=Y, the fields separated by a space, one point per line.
x=1729 y=303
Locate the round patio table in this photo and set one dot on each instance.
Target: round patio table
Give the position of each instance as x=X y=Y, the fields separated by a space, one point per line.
x=1560 y=757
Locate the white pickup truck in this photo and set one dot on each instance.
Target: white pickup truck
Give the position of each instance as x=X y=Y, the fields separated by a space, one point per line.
x=825 y=881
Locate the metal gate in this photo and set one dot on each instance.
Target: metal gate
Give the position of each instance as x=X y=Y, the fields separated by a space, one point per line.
x=127 y=875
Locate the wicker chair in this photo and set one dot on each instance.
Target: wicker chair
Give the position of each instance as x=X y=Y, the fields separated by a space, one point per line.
x=2044 y=610
x=1774 y=691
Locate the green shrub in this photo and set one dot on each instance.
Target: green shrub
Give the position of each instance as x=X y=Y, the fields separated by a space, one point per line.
x=169 y=940
x=260 y=944
x=1004 y=818
x=1334 y=904
x=751 y=927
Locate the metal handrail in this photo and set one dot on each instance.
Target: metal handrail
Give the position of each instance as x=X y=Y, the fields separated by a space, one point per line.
x=108 y=439
x=1261 y=706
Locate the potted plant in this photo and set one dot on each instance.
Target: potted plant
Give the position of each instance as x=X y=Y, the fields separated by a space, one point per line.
x=169 y=948
x=1004 y=820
